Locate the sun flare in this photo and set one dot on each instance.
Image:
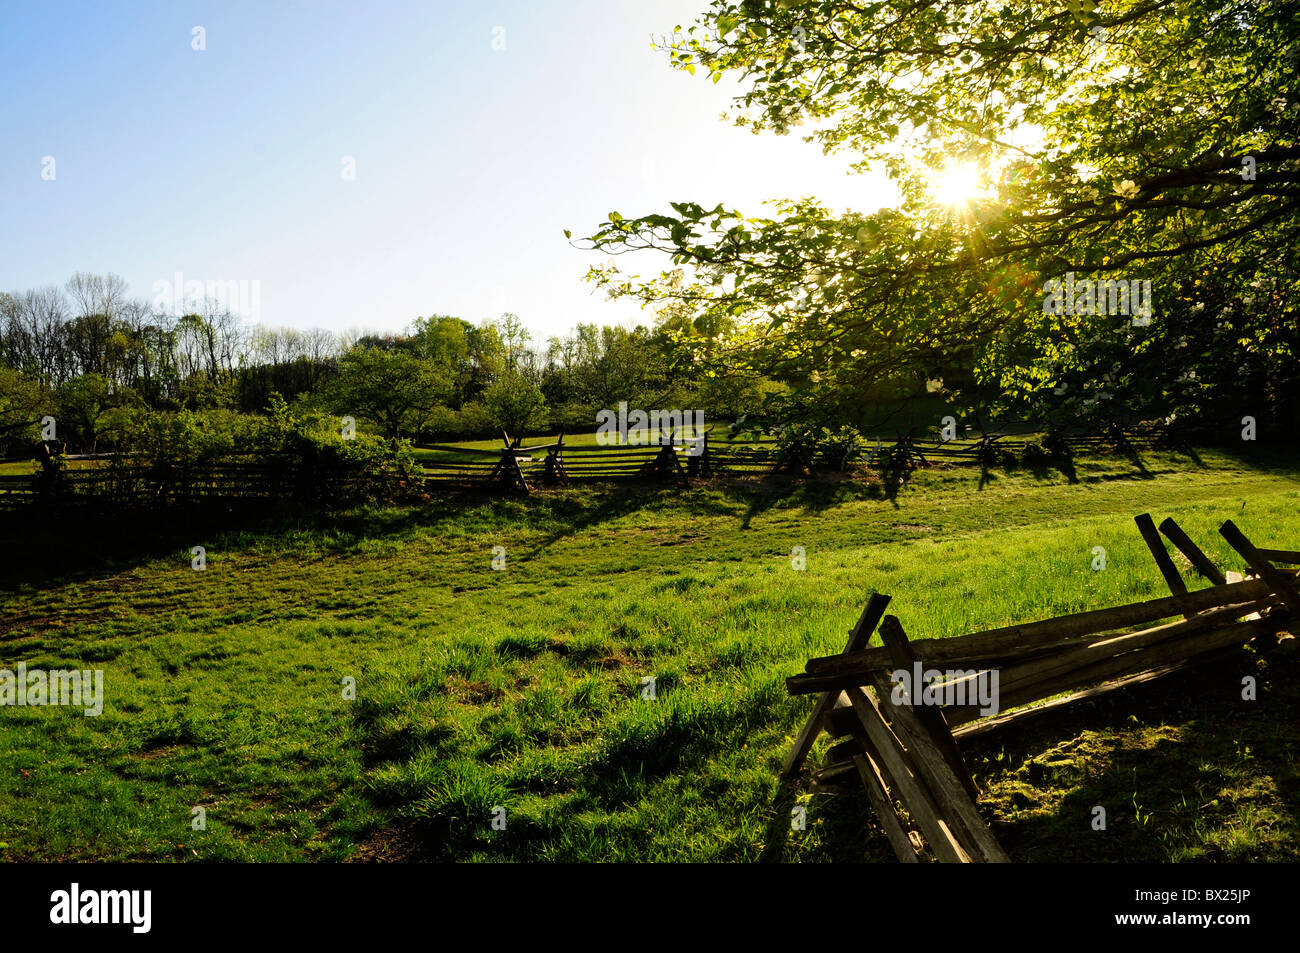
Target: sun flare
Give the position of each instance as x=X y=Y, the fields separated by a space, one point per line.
x=958 y=184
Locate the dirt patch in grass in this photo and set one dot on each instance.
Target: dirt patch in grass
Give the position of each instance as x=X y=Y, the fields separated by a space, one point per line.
x=474 y=693
x=388 y=845
x=153 y=754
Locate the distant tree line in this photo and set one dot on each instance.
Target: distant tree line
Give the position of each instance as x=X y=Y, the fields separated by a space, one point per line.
x=99 y=361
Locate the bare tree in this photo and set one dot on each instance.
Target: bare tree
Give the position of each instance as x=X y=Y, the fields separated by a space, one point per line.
x=322 y=345
x=97 y=294
x=39 y=325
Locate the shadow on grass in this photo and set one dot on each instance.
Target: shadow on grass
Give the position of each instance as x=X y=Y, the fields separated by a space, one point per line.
x=621 y=776
x=1184 y=767
x=36 y=547
x=1267 y=458
x=777 y=836
x=577 y=513
x=1063 y=465
x=811 y=495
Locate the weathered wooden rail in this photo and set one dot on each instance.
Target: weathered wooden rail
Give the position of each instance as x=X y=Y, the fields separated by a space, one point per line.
x=901 y=742
x=673 y=458
x=128 y=481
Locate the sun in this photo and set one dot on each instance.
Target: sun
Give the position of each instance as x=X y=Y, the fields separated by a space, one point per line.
x=958 y=184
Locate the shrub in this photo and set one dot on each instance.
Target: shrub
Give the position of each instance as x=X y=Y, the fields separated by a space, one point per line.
x=302 y=456
x=306 y=458
x=1035 y=454
x=842 y=445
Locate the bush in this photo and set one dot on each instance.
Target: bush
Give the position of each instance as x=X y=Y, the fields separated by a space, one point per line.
x=474 y=420
x=800 y=444
x=574 y=416
x=189 y=456
x=307 y=458
x=166 y=456
x=442 y=423
x=1035 y=454
x=1057 y=447
x=843 y=445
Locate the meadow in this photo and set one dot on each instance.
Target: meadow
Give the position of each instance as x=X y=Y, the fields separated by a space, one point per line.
x=617 y=683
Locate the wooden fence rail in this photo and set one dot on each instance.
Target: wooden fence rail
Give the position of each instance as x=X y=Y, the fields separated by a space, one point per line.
x=673 y=458
x=759 y=456
x=130 y=483
x=900 y=739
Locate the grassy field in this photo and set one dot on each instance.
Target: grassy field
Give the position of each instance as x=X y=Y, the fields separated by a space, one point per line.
x=637 y=438
x=523 y=687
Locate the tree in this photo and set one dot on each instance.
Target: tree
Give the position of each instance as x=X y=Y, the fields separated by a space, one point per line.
x=445 y=341
x=395 y=389
x=515 y=337
x=81 y=402
x=35 y=334
x=487 y=357
x=1137 y=141
x=97 y=294
x=22 y=404
x=515 y=404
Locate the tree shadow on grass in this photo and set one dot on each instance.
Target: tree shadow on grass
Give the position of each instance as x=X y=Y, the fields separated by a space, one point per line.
x=1040 y=469
x=777 y=834
x=1063 y=465
x=812 y=495
x=39 y=547
x=578 y=514
x=1268 y=458
x=1134 y=456
x=1177 y=764
x=1044 y=473
x=1184 y=767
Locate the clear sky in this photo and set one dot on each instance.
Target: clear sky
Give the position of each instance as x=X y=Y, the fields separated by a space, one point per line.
x=227 y=163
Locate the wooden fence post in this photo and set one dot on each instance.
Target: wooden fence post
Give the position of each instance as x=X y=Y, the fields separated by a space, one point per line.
x=859 y=636
x=697 y=464
x=1280 y=583
x=1193 y=552
x=904 y=657
x=507 y=471
x=555 y=472
x=665 y=462
x=1173 y=579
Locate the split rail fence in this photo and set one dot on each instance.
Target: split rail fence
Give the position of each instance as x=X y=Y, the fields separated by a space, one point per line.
x=905 y=752
x=672 y=458
x=88 y=479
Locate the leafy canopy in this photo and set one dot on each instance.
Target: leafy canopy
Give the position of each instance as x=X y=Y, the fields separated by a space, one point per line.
x=1142 y=139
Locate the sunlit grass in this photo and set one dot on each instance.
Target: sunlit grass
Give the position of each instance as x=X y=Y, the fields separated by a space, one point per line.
x=524 y=688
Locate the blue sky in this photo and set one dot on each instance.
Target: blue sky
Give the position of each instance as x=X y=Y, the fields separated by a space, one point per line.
x=226 y=163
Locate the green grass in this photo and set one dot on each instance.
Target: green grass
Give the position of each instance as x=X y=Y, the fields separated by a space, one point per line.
x=637 y=438
x=522 y=688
